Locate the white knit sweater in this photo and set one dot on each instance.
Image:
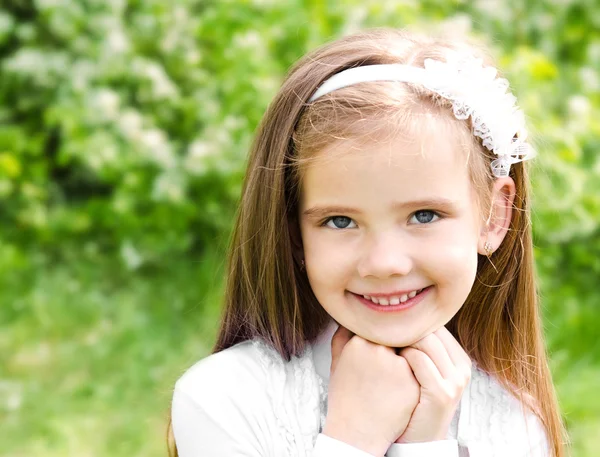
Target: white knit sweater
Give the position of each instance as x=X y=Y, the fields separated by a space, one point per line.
x=246 y=401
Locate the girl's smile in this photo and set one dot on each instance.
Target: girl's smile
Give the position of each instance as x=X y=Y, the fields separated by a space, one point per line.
x=393 y=303
x=391 y=298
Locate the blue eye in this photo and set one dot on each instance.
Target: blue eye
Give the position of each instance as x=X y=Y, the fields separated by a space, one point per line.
x=339 y=222
x=425 y=216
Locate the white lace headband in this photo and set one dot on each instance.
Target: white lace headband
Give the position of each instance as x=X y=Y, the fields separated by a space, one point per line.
x=474 y=91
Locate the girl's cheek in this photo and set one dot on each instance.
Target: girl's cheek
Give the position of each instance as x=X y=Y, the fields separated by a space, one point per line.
x=332 y=260
x=457 y=262
x=329 y=263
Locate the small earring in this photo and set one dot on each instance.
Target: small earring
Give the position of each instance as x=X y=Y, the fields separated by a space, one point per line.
x=302 y=265
x=488 y=249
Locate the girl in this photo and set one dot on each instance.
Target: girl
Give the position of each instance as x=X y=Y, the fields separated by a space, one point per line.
x=380 y=297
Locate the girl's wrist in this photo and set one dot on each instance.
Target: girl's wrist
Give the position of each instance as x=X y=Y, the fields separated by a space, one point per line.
x=365 y=442
x=423 y=438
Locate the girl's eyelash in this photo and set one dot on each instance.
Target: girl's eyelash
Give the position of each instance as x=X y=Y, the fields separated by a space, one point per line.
x=437 y=213
x=324 y=223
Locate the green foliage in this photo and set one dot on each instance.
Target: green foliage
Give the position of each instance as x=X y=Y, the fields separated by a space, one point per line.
x=124 y=128
x=93 y=350
x=128 y=123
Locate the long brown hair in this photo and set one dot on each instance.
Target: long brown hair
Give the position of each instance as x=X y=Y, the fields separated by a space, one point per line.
x=267 y=294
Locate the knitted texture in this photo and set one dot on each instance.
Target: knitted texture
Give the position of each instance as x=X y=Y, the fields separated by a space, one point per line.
x=487 y=422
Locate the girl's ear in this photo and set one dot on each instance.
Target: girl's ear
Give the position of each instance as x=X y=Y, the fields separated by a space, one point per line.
x=500 y=216
x=296 y=239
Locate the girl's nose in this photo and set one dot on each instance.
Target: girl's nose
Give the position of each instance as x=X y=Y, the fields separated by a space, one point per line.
x=386 y=255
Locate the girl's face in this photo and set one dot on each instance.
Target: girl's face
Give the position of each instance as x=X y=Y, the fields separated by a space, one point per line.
x=384 y=220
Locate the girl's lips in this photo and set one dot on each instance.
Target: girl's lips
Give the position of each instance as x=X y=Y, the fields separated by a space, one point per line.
x=391 y=308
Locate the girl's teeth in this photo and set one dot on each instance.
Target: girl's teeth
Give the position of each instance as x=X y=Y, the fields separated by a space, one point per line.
x=393 y=300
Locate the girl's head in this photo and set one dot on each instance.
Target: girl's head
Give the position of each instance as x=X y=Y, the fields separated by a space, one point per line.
x=373 y=189
x=395 y=215
x=377 y=188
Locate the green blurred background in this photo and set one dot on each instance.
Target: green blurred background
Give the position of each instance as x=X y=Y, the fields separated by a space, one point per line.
x=124 y=127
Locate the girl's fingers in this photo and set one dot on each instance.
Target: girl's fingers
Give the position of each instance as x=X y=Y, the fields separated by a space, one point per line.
x=433 y=347
x=341 y=336
x=423 y=367
x=457 y=354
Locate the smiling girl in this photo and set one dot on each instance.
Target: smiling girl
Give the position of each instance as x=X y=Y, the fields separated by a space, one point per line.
x=381 y=297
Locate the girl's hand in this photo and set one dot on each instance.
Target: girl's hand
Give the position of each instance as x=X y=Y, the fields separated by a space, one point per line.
x=443 y=370
x=372 y=393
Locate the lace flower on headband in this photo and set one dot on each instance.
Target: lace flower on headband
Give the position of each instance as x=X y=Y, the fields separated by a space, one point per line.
x=473 y=90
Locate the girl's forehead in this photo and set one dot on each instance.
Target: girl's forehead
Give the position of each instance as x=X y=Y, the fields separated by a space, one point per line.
x=369 y=174
x=418 y=134
x=399 y=154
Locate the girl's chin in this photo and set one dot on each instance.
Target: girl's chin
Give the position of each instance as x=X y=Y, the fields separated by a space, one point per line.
x=392 y=341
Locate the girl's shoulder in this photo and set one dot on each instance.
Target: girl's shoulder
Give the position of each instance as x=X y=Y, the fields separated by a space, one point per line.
x=252 y=374
x=243 y=366
x=250 y=387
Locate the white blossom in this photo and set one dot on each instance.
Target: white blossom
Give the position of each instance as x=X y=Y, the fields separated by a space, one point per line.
x=117 y=42
x=590 y=79
x=162 y=86
x=130 y=255
x=131 y=125
x=168 y=187
x=579 y=105
x=11 y=395
x=160 y=151
x=106 y=102
x=197 y=153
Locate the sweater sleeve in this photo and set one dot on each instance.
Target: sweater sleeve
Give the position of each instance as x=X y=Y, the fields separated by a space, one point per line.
x=330 y=447
x=199 y=433
x=222 y=407
x=442 y=448
x=528 y=439
x=494 y=423
x=325 y=446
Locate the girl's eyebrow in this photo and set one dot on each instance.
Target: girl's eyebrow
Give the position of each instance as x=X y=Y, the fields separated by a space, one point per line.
x=443 y=204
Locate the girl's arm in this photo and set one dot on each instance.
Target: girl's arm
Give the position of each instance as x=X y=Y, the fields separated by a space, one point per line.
x=212 y=422
x=527 y=438
x=223 y=407
x=535 y=445
x=230 y=433
x=198 y=433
